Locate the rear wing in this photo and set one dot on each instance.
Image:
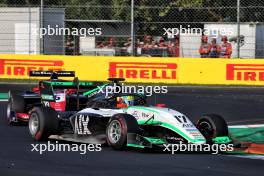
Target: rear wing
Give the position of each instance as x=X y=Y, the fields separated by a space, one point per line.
x=116 y=80
x=52 y=74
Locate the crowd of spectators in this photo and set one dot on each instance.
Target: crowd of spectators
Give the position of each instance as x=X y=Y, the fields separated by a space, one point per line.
x=215 y=50
x=158 y=46
x=146 y=47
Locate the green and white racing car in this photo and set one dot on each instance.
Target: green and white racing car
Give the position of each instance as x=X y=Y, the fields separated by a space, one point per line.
x=125 y=120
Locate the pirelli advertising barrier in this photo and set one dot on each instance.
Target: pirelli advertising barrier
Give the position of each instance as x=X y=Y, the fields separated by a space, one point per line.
x=140 y=69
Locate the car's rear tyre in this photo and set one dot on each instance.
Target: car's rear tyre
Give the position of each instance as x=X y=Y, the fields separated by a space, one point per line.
x=211 y=126
x=43 y=122
x=118 y=128
x=10 y=115
x=10 y=112
x=17 y=102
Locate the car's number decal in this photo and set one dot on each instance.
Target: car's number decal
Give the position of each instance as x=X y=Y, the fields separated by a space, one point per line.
x=46 y=103
x=181 y=119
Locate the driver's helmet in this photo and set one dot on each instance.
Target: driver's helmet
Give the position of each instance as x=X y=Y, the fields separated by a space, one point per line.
x=125 y=101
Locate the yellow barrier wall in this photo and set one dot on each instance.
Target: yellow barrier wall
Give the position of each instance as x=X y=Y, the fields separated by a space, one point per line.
x=140 y=69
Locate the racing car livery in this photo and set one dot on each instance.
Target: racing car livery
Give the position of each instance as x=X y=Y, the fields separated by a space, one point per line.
x=56 y=93
x=124 y=120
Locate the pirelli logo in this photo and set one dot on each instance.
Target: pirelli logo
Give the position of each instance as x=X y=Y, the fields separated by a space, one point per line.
x=19 y=67
x=142 y=70
x=245 y=72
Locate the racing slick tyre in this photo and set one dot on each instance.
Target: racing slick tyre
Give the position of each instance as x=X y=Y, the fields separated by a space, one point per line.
x=118 y=128
x=211 y=126
x=10 y=115
x=43 y=122
x=17 y=102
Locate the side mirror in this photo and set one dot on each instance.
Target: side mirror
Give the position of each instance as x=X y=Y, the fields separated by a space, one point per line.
x=161 y=105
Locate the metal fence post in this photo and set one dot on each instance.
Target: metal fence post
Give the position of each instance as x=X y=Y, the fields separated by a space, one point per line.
x=29 y=30
x=132 y=29
x=41 y=26
x=238 y=28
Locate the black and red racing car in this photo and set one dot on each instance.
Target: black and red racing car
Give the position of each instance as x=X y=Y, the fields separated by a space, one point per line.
x=61 y=95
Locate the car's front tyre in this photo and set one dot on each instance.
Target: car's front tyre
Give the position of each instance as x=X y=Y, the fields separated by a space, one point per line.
x=118 y=128
x=212 y=126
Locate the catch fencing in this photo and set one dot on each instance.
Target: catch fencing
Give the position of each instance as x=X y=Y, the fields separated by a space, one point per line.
x=161 y=28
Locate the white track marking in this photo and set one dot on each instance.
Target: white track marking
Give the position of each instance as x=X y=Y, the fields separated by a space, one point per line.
x=258 y=157
x=239 y=121
x=247 y=126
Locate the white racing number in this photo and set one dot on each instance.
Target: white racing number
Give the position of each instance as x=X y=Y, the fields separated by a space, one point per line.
x=46 y=104
x=81 y=125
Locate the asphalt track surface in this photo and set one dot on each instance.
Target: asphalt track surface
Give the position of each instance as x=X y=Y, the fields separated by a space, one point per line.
x=237 y=105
